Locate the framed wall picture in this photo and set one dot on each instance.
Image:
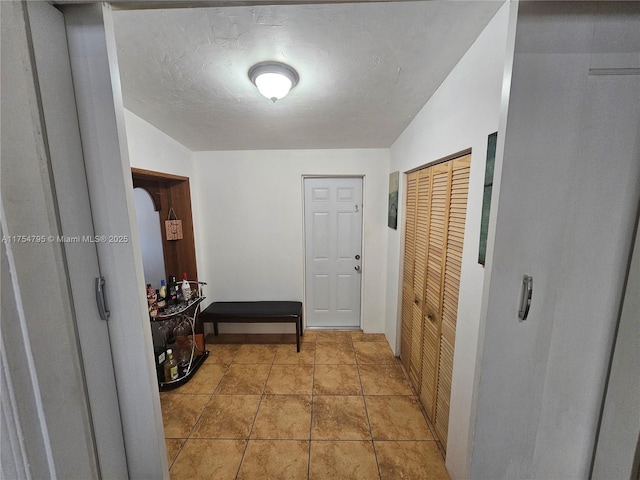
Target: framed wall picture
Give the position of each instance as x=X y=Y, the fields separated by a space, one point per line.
x=394 y=182
x=486 y=200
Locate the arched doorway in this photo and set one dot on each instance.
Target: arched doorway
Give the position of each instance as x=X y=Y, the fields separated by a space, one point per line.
x=171 y=191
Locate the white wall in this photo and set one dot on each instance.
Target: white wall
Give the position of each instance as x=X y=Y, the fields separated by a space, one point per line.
x=250 y=217
x=152 y=149
x=567 y=204
x=460 y=115
x=620 y=427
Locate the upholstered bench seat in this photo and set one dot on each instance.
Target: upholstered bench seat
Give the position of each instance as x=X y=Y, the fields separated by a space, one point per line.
x=254 y=312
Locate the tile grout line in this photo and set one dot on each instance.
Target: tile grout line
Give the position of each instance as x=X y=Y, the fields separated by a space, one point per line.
x=255 y=417
x=366 y=409
x=179 y=450
x=197 y=419
x=423 y=411
x=313 y=392
x=313 y=395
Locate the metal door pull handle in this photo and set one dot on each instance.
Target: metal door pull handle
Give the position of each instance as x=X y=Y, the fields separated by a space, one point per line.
x=100 y=300
x=525 y=297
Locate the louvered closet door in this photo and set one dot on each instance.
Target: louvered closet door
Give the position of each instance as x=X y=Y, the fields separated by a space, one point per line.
x=407 y=274
x=423 y=201
x=432 y=310
x=457 y=209
x=435 y=211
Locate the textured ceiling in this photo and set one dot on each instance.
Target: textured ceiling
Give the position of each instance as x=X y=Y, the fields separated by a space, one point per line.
x=365 y=69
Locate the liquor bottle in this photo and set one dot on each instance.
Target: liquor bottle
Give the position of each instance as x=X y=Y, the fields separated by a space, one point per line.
x=173 y=290
x=161 y=301
x=170 y=367
x=186 y=288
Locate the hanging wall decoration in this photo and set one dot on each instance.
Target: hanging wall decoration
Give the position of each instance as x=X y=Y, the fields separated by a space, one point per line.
x=173 y=226
x=394 y=181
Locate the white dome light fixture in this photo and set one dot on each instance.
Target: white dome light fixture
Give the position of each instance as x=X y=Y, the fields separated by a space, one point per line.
x=273 y=79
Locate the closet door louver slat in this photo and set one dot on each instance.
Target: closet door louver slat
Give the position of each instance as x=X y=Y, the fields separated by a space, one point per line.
x=419 y=276
x=432 y=311
x=460 y=178
x=429 y=368
x=443 y=396
x=407 y=274
x=460 y=169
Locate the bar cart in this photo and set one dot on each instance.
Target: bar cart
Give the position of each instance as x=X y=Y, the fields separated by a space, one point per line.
x=175 y=328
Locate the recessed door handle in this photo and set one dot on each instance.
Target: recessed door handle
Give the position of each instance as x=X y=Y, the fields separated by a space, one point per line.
x=525 y=297
x=430 y=317
x=357 y=268
x=100 y=300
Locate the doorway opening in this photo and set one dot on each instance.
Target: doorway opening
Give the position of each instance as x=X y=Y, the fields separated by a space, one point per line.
x=171 y=192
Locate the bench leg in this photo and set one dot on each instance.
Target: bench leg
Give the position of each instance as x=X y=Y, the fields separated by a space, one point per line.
x=298 y=336
x=215 y=328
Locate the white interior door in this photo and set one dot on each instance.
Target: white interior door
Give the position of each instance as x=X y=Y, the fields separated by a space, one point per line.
x=333 y=239
x=67 y=164
x=94 y=69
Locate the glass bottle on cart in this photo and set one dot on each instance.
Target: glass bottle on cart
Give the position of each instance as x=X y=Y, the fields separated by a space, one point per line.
x=170 y=367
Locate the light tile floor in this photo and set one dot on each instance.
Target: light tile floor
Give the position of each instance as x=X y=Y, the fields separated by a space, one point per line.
x=340 y=409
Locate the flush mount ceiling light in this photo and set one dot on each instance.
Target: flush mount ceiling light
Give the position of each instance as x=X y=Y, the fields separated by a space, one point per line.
x=273 y=79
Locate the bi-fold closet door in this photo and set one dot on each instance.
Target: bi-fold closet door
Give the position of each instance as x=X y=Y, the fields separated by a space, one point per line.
x=434 y=233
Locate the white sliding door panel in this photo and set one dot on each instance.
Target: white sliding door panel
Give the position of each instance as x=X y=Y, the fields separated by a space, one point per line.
x=67 y=162
x=94 y=68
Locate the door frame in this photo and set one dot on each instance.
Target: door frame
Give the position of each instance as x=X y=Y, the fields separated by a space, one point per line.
x=166 y=191
x=304 y=244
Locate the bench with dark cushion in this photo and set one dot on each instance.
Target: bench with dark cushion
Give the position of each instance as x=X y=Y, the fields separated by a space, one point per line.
x=254 y=312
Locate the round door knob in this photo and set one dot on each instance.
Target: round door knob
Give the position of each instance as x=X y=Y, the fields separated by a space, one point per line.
x=357 y=268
